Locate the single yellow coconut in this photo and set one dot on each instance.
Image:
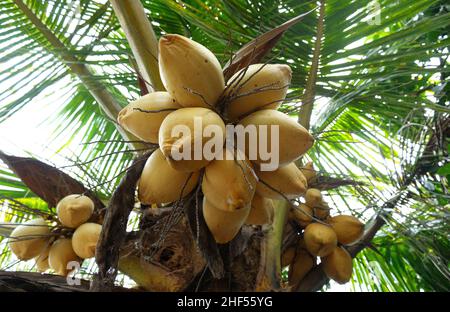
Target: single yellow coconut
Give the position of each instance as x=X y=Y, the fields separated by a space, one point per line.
x=313 y=197
x=303 y=214
x=261 y=211
x=60 y=255
x=309 y=172
x=74 y=210
x=292 y=140
x=348 y=228
x=320 y=240
x=302 y=264
x=287 y=257
x=190 y=72
x=144 y=116
x=260 y=86
x=160 y=183
x=338 y=265
x=29 y=239
x=224 y=225
x=229 y=183
x=42 y=260
x=85 y=238
x=287 y=180
x=182 y=138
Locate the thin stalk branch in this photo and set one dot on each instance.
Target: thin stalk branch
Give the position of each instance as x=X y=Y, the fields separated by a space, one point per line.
x=142 y=39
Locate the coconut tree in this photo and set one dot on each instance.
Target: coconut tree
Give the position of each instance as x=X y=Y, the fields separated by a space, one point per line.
x=369 y=81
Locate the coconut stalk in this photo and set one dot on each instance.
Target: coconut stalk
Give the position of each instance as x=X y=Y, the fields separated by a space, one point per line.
x=99 y=91
x=142 y=39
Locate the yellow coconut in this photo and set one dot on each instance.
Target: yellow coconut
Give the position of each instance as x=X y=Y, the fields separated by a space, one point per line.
x=293 y=140
x=320 y=240
x=224 y=225
x=29 y=239
x=74 y=210
x=190 y=72
x=348 y=228
x=338 y=265
x=261 y=211
x=42 y=260
x=287 y=257
x=322 y=211
x=313 y=197
x=60 y=255
x=229 y=183
x=287 y=180
x=303 y=214
x=85 y=238
x=260 y=86
x=160 y=183
x=309 y=172
x=144 y=116
x=183 y=141
x=302 y=264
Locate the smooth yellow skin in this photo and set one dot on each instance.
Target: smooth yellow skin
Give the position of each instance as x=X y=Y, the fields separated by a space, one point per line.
x=190 y=72
x=224 y=225
x=61 y=253
x=313 y=197
x=187 y=118
x=74 y=210
x=263 y=86
x=144 y=116
x=338 y=265
x=303 y=214
x=301 y=265
x=348 y=228
x=229 y=184
x=42 y=260
x=294 y=140
x=85 y=238
x=160 y=183
x=29 y=239
x=320 y=240
x=287 y=180
x=309 y=172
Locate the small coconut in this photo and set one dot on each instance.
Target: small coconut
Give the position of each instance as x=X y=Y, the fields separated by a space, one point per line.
x=302 y=264
x=348 y=228
x=74 y=209
x=85 y=238
x=320 y=240
x=261 y=211
x=309 y=172
x=29 y=239
x=182 y=137
x=160 y=183
x=224 y=225
x=229 y=183
x=322 y=211
x=313 y=197
x=338 y=265
x=303 y=214
x=144 y=116
x=42 y=260
x=60 y=255
x=287 y=180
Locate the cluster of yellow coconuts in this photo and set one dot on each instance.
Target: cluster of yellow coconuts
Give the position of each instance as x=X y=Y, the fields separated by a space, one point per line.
x=236 y=191
x=323 y=236
x=34 y=238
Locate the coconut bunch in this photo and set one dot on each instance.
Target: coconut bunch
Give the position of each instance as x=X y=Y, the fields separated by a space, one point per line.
x=323 y=236
x=73 y=240
x=236 y=191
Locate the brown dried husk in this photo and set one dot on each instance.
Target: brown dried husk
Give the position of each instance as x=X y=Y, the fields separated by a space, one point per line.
x=85 y=238
x=186 y=117
x=287 y=180
x=261 y=211
x=29 y=239
x=338 y=265
x=160 y=183
x=348 y=228
x=190 y=72
x=259 y=86
x=224 y=225
x=143 y=117
x=289 y=131
x=320 y=240
x=74 y=210
x=229 y=183
x=61 y=253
